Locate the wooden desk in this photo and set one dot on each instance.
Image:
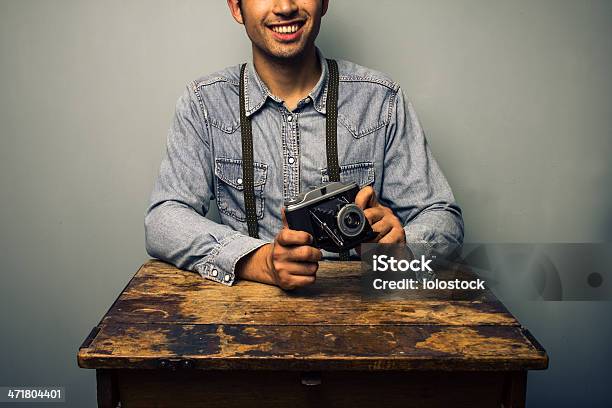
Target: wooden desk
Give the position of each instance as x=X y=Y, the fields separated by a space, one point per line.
x=175 y=339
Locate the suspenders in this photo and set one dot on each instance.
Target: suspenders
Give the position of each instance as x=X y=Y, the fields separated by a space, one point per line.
x=331 y=145
x=331 y=123
x=247 y=163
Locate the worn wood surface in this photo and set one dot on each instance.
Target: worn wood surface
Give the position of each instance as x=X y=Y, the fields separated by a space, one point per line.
x=169 y=318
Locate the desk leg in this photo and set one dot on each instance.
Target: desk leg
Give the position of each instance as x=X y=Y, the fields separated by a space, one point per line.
x=108 y=391
x=515 y=390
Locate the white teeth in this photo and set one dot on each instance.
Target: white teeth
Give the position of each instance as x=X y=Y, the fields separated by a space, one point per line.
x=285 y=29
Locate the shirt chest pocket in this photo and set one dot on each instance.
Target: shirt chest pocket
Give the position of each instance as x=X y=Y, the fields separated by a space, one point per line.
x=230 y=187
x=361 y=173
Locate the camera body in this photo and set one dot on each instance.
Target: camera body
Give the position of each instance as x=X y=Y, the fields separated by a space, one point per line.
x=329 y=214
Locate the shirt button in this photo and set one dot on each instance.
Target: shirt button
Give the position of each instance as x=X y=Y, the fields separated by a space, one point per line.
x=291 y=160
x=226 y=278
x=239 y=181
x=214 y=272
x=289 y=118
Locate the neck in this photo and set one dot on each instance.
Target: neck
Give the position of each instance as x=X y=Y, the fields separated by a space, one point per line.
x=289 y=79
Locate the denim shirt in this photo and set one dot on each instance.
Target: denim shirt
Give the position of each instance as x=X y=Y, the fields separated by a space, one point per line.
x=380 y=143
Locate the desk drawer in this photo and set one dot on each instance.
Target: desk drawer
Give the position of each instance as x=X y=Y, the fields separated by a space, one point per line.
x=198 y=388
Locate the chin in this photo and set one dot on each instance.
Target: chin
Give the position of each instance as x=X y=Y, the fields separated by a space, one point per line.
x=286 y=53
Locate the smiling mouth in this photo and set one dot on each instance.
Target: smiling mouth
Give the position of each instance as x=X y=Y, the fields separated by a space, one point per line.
x=289 y=28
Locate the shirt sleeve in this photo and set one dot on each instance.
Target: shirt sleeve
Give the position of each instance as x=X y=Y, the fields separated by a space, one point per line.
x=415 y=188
x=176 y=229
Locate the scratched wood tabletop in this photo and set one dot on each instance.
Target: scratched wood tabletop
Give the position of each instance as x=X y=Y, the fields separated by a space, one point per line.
x=169 y=316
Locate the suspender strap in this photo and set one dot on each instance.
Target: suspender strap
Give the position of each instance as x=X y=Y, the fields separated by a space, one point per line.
x=331 y=122
x=247 y=163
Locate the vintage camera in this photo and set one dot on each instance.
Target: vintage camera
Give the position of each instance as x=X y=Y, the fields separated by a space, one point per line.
x=329 y=214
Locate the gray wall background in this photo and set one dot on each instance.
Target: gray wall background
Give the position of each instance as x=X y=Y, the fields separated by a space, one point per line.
x=516 y=98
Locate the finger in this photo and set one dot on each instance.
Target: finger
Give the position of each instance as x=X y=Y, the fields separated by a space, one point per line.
x=382 y=228
x=304 y=253
x=374 y=214
x=302 y=268
x=366 y=197
x=395 y=236
x=296 y=281
x=289 y=237
x=284 y=217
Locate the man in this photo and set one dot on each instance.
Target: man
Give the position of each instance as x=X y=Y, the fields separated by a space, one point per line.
x=380 y=145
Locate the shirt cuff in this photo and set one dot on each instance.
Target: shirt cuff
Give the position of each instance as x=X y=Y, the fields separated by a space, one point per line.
x=220 y=264
x=416 y=242
x=423 y=242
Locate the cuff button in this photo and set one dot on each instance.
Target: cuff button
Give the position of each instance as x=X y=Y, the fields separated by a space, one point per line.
x=226 y=278
x=214 y=272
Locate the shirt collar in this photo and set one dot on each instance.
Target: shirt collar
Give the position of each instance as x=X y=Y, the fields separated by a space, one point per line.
x=256 y=91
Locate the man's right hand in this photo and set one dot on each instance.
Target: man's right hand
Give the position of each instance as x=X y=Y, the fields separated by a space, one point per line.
x=293 y=262
x=289 y=262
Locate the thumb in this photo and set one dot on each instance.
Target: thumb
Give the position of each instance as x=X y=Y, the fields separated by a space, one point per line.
x=366 y=198
x=284 y=218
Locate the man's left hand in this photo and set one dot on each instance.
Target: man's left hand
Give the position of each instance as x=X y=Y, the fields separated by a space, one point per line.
x=388 y=227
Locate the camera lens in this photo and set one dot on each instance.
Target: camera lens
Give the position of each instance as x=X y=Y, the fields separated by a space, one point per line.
x=351 y=220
